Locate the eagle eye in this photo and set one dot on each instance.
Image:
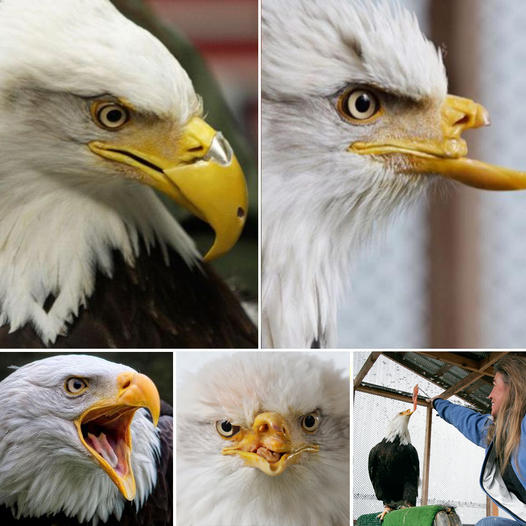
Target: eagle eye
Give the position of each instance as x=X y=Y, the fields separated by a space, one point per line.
x=359 y=105
x=109 y=115
x=310 y=422
x=75 y=385
x=226 y=429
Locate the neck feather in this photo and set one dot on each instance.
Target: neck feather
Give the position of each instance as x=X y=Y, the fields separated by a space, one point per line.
x=308 y=244
x=54 y=242
x=398 y=427
x=36 y=482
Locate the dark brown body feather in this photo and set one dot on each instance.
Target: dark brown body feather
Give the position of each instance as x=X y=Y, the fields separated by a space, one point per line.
x=394 y=469
x=157 y=511
x=152 y=305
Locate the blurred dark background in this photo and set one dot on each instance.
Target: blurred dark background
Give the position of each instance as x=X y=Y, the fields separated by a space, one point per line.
x=156 y=365
x=217 y=44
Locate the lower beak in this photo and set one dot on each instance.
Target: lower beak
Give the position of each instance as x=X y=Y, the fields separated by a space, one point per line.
x=267 y=446
x=203 y=176
x=471 y=173
x=104 y=428
x=446 y=156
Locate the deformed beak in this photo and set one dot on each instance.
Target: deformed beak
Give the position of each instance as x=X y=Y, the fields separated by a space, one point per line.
x=446 y=156
x=209 y=182
x=268 y=446
x=197 y=168
x=104 y=428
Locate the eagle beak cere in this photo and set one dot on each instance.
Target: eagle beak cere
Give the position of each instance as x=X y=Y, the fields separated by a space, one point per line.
x=104 y=428
x=267 y=446
x=198 y=169
x=446 y=156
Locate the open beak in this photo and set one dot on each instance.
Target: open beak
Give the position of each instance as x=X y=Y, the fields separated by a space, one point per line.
x=446 y=156
x=407 y=412
x=197 y=169
x=104 y=428
x=267 y=446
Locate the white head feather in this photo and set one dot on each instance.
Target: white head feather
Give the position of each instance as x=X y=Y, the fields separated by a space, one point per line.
x=62 y=209
x=218 y=490
x=399 y=427
x=44 y=468
x=319 y=200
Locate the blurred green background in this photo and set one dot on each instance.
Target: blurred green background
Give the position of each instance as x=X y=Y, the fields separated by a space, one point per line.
x=156 y=365
x=237 y=121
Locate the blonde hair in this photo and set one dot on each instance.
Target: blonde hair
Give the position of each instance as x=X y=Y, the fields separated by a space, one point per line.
x=506 y=429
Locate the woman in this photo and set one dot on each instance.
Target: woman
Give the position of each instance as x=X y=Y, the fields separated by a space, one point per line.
x=503 y=435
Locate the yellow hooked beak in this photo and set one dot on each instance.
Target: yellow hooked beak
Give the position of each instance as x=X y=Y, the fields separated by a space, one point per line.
x=267 y=446
x=446 y=156
x=104 y=428
x=196 y=168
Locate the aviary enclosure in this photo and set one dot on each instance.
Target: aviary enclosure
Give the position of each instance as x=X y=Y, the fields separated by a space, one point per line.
x=449 y=464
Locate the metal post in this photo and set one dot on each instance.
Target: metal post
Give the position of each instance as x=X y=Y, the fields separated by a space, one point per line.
x=427 y=456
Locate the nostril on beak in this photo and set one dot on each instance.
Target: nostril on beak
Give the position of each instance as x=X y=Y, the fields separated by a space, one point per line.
x=263 y=428
x=124 y=380
x=462 y=121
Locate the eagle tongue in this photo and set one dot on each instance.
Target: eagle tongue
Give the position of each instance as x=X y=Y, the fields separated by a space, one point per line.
x=267 y=454
x=104 y=449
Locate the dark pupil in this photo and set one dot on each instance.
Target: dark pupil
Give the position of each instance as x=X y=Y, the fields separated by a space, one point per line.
x=77 y=385
x=114 y=115
x=363 y=103
x=226 y=427
x=309 y=421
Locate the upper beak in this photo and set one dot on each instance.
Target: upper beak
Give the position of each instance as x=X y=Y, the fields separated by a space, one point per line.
x=104 y=428
x=407 y=412
x=446 y=156
x=268 y=446
x=199 y=171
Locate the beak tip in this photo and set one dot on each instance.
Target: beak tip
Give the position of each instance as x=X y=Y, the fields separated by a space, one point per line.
x=485 y=118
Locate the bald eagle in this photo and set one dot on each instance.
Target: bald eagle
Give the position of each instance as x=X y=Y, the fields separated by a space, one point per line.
x=77 y=445
x=263 y=438
x=394 y=467
x=95 y=114
x=356 y=122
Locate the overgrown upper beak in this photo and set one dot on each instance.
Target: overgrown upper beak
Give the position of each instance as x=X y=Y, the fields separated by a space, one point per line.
x=446 y=156
x=268 y=445
x=104 y=428
x=197 y=168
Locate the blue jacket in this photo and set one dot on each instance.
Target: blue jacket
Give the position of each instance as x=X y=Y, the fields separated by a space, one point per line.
x=474 y=426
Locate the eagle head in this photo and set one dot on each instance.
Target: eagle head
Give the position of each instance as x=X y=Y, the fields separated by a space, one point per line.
x=76 y=426
x=357 y=122
x=95 y=113
x=263 y=439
